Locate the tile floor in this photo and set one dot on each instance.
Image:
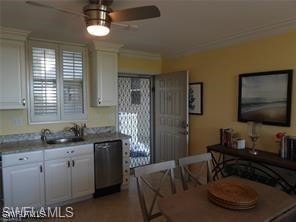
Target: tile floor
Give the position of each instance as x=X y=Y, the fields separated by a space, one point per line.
x=118 y=207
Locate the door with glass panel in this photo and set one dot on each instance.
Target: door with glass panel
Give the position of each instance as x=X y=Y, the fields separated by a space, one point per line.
x=135 y=115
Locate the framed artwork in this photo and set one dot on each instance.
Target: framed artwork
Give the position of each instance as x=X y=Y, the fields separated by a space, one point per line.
x=265 y=97
x=196 y=98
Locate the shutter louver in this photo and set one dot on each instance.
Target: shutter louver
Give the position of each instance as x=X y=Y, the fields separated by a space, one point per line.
x=44 y=81
x=73 y=82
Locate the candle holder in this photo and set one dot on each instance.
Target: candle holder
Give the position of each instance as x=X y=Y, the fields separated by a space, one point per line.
x=254 y=133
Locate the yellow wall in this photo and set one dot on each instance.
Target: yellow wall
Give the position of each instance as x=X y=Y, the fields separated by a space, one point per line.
x=97 y=117
x=139 y=65
x=218 y=70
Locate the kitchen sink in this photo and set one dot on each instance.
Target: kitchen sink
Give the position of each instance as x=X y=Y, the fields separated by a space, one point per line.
x=64 y=140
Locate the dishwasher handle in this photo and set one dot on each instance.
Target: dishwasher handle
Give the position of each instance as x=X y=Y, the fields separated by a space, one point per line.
x=103 y=146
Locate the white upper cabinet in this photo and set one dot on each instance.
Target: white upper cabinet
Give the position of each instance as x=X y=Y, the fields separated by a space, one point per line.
x=12 y=69
x=104 y=74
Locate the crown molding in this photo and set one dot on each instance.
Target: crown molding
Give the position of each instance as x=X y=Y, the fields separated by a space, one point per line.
x=105 y=46
x=139 y=54
x=58 y=42
x=139 y=72
x=11 y=33
x=243 y=36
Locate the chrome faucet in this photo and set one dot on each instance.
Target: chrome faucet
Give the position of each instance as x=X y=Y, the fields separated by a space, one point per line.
x=44 y=133
x=75 y=129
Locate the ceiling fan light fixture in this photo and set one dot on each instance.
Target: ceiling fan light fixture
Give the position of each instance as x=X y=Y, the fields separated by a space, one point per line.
x=97 y=19
x=98 y=30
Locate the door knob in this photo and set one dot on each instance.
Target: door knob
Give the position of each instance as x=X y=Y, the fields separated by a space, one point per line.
x=24 y=102
x=185 y=132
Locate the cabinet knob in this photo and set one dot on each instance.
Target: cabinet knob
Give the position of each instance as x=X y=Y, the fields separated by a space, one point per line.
x=99 y=100
x=24 y=102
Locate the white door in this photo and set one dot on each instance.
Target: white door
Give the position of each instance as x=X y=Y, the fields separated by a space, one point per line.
x=57 y=181
x=82 y=176
x=23 y=185
x=12 y=74
x=171 y=116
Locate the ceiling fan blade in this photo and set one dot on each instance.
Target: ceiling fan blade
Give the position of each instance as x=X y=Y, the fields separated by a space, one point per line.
x=55 y=8
x=125 y=26
x=144 y=12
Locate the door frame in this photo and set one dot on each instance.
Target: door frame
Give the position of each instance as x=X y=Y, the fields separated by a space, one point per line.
x=152 y=97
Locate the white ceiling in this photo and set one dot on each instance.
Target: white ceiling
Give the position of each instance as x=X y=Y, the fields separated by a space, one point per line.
x=185 y=26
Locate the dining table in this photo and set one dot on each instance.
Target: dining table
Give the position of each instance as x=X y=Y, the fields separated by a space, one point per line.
x=194 y=205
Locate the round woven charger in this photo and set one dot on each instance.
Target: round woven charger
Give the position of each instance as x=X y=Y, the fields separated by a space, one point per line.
x=232 y=195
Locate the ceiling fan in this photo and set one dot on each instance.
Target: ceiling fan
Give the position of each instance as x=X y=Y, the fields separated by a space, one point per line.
x=99 y=16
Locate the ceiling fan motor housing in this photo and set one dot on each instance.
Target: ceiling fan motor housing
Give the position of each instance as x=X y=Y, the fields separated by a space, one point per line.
x=97 y=14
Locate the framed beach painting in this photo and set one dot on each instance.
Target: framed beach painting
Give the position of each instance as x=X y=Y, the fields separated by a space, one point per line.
x=195 y=98
x=265 y=97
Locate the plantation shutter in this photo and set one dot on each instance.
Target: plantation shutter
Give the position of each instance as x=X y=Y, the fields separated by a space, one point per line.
x=57 y=82
x=72 y=72
x=44 y=84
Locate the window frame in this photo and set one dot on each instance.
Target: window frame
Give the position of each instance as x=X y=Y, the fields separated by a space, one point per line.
x=61 y=116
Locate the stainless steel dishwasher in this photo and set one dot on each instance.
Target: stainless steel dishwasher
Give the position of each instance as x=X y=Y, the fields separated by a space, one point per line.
x=108 y=167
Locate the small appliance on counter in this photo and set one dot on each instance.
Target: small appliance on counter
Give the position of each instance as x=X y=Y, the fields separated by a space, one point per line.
x=108 y=167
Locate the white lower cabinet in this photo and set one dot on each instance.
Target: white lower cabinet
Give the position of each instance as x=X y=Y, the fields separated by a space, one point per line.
x=70 y=177
x=23 y=185
x=82 y=176
x=57 y=181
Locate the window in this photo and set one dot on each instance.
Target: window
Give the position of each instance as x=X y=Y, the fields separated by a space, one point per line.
x=57 y=83
x=135 y=91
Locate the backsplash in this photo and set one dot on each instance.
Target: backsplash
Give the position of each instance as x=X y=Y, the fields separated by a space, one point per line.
x=36 y=136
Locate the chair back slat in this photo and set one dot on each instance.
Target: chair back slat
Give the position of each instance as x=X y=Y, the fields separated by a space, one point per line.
x=196 y=159
x=153 y=168
x=167 y=169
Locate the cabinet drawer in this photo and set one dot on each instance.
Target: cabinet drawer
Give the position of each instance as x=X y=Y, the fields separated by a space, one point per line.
x=125 y=144
x=82 y=150
x=71 y=151
x=57 y=153
x=125 y=162
x=22 y=158
x=125 y=180
x=125 y=153
x=126 y=171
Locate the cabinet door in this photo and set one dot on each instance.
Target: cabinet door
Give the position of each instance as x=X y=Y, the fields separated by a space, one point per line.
x=23 y=185
x=12 y=74
x=104 y=75
x=82 y=176
x=57 y=181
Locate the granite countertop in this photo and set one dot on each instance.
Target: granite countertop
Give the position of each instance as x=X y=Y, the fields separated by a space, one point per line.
x=35 y=145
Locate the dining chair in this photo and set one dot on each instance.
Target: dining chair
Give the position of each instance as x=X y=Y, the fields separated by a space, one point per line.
x=187 y=175
x=145 y=179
